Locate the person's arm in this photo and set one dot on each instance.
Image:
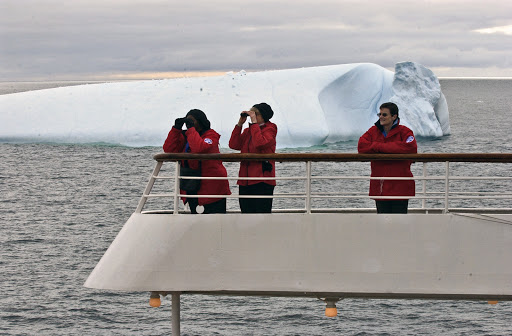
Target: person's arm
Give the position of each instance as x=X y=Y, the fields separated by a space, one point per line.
x=365 y=144
x=175 y=141
x=198 y=144
x=407 y=145
x=263 y=138
x=235 y=142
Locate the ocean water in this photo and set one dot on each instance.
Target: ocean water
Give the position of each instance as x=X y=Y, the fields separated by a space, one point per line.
x=61 y=205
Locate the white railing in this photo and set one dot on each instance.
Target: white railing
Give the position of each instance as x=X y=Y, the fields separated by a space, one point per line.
x=438 y=198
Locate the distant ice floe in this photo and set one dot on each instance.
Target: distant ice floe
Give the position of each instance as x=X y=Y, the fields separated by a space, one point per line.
x=312 y=106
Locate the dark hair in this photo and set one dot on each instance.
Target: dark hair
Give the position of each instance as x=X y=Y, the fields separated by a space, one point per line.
x=200 y=116
x=265 y=110
x=393 y=109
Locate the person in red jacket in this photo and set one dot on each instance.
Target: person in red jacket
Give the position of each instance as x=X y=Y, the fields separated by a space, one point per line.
x=259 y=137
x=200 y=138
x=388 y=136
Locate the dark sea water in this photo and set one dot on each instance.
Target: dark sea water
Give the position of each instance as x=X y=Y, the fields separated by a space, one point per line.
x=62 y=205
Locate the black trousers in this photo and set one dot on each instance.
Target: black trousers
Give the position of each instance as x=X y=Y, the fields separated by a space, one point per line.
x=256 y=205
x=215 y=207
x=392 y=206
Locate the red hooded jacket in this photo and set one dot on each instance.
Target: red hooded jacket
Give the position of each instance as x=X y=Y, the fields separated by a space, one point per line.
x=208 y=142
x=255 y=139
x=399 y=140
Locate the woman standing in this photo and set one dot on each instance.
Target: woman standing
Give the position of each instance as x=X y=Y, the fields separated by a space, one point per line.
x=259 y=137
x=388 y=136
x=200 y=138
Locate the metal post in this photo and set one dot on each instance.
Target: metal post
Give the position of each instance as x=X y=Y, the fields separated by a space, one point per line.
x=176 y=188
x=424 y=184
x=149 y=186
x=308 y=187
x=175 y=314
x=446 y=186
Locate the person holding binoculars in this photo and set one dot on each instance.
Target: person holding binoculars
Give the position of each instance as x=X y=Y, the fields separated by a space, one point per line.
x=199 y=138
x=259 y=137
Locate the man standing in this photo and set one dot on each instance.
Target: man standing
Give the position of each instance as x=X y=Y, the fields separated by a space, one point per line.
x=388 y=136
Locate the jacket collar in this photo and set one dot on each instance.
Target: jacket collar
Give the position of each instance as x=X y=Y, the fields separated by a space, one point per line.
x=381 y=128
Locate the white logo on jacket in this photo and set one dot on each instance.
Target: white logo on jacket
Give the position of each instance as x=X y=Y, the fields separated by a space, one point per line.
x=208 y=141
x=410 y=138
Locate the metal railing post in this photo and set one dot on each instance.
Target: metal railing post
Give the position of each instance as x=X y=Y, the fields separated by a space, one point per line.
x=424 y=184
x=149 y=186
x=176 y=188
x=308 y=187
x=446 y=186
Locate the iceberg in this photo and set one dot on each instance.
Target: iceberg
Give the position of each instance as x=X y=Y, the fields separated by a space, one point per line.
x=312 y=106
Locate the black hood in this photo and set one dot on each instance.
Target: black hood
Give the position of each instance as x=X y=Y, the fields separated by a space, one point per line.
x=201 y=118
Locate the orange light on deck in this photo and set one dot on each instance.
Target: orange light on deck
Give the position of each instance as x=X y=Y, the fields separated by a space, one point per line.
x=330 y=307
x=154 y=300
x=331 y=312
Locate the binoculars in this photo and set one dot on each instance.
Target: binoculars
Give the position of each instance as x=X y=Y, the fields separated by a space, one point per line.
x=243 y=114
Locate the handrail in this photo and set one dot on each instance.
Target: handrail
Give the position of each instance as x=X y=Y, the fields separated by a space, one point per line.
x=439 y=197
x=422 y=157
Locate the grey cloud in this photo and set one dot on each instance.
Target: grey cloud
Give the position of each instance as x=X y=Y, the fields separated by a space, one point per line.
x=55 y=39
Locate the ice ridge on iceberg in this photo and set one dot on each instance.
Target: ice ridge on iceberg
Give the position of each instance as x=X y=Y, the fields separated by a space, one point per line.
x=312 y=106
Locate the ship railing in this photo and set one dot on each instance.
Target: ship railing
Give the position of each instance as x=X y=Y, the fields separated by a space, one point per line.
x=438 y=198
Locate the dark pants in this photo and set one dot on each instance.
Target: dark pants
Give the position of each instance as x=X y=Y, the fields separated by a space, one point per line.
x=215 y=207
x=256 y=205
x=392 y=206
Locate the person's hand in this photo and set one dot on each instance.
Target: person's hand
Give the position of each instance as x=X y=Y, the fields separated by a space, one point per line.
x=243 y=118
x=189 y=123
x=252 y=114
x=178 y=123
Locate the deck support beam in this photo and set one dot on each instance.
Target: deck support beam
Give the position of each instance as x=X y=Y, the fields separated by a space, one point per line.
x=175 y=314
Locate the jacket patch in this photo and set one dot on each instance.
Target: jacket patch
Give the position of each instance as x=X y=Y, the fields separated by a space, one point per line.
x=209 y=141
x=409 y=139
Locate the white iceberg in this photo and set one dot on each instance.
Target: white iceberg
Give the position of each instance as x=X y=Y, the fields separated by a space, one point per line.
x=312 y=106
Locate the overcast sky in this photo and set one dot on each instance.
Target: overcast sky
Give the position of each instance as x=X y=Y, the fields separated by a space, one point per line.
x=97 y=39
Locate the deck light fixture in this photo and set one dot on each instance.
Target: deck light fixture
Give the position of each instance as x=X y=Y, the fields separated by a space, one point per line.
x=330 y=307
x=154 y=299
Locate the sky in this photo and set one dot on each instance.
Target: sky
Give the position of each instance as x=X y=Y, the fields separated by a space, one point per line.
x=129 y=39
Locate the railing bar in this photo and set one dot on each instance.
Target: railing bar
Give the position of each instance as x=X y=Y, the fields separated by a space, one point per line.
x=338 y=177
x=149 y=187
x=295 y=196
x=357 y=196
x=342 y=210
x=481 y=197
x=230 y=178
x=478 y=178
x=236 y=178
x=331 y=196
x=334 y=157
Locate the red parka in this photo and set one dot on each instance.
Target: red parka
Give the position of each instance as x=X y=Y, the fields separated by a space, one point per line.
x=255 y=139
x=208 y=142
x=399 y=140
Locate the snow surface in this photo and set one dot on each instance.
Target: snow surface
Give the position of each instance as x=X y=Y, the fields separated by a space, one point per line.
x=312 y=106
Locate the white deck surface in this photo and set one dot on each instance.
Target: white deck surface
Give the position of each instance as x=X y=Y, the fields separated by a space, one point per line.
x=344 y=255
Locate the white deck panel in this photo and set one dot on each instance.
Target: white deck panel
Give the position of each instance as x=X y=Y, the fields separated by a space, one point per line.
x=413 y=255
